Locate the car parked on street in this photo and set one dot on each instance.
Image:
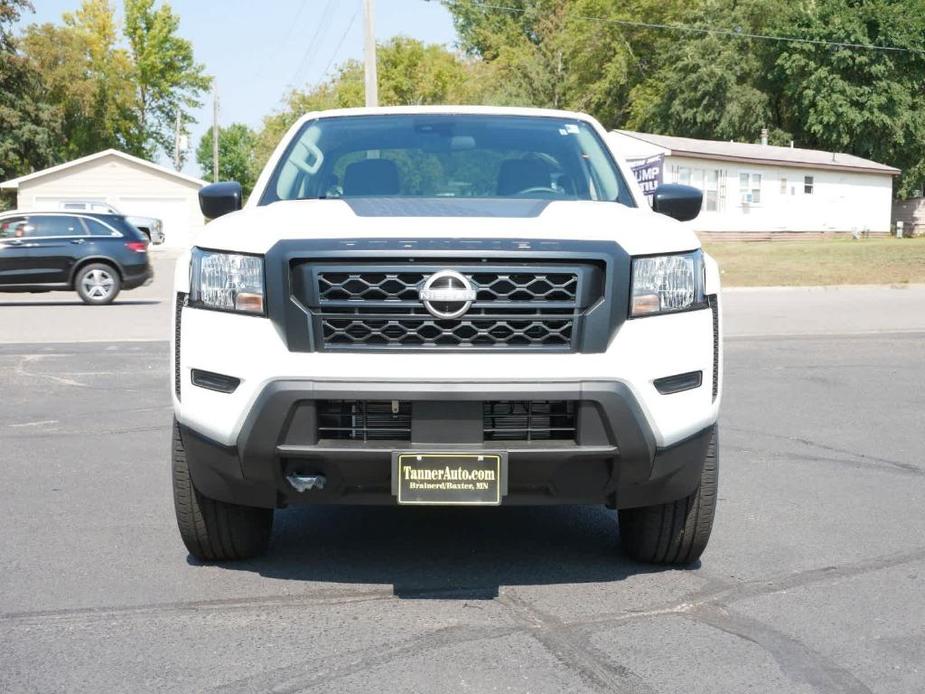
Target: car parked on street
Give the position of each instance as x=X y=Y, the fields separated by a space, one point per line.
x=97 y=255
x=149 y=226
x=465 y=306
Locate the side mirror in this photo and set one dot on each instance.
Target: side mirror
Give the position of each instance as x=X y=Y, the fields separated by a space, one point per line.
x=219 y=199
x=681 y=202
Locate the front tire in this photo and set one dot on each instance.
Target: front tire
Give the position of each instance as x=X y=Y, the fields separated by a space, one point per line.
x=98 y=284
x=676 y=532
x=214 y=530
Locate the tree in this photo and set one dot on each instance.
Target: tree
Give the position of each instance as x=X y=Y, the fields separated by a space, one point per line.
x=719 y=69
x=410 y=72
x=713 y=85
x=575 y=54
x=236 y=155
x=867 y=102
x=29 y=129
x=167 y=79
x=87 y=78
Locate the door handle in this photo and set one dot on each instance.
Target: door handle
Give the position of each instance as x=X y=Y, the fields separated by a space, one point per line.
x=16 y=242
x=79 y=242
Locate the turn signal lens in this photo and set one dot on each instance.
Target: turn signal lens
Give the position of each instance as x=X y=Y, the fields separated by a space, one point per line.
x=249 y=302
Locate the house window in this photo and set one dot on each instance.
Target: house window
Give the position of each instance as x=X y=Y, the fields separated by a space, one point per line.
x=710 y=181
x=808 y=184
x=711 y=190
x=750 y=188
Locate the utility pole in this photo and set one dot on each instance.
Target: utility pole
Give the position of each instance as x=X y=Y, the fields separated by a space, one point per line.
x=372 y=79
x=177 y=163
x=214 y=135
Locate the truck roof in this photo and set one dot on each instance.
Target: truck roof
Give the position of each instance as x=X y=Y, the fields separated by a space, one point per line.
x=521 y=111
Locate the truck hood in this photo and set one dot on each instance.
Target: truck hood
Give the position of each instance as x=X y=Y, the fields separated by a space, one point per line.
x=256 y=229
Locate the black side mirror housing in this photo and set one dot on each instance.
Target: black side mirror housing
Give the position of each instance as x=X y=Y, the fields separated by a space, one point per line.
x=219 y=199
x=680 y=202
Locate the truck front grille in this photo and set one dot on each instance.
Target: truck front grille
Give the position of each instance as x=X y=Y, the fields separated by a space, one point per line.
x=532 y=420
x=508 y=286
x=502 y=420
x=515 y=306
x=530 y=331
x=364 y=420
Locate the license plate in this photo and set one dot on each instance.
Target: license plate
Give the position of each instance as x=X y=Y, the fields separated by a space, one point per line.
x=448 y=479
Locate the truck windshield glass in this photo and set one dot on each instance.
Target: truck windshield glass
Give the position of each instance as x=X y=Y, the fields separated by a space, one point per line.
x=447 y=156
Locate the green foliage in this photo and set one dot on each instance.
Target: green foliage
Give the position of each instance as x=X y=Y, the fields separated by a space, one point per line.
x=236 y=149
x=29 y=128
x=868 y=103
x=87 y=78
x=166 y=77
x=410 y=72
x=597 y=56
x=73 y=88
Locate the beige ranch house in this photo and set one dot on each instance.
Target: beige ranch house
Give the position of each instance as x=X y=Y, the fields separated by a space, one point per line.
x=757 y=191
x=131 y=185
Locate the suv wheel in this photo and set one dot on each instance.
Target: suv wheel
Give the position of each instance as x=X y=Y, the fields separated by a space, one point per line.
x=214 y=530
x=97 y=284
x=676 y=532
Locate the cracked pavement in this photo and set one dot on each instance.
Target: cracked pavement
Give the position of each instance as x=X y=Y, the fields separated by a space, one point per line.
x=814 y=580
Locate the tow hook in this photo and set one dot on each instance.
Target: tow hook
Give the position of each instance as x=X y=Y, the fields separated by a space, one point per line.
x=305 y=483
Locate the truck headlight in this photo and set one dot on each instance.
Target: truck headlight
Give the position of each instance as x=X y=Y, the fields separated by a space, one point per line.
x=667 y=283
x=227 y=282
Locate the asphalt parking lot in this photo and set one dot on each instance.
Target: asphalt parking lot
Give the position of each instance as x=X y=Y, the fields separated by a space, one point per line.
x=814 y=580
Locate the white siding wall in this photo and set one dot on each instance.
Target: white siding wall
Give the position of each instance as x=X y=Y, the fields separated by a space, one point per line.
x=132 y=188
x=840 y=200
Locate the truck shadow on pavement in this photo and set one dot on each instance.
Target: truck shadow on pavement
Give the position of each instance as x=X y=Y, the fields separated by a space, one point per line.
x=446 y=553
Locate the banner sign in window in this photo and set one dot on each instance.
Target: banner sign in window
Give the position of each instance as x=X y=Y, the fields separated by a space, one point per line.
x=648 y=173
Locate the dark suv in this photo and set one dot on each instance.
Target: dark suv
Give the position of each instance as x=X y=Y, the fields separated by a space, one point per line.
x=98 y=255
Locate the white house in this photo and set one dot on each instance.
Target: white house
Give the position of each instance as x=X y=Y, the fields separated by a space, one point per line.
x=131 y=185
x=755 y=191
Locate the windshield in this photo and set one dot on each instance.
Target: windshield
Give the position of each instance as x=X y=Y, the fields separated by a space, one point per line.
x=447 y=156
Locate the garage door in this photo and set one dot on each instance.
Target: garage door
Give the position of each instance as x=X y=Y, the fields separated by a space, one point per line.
x=173 y=212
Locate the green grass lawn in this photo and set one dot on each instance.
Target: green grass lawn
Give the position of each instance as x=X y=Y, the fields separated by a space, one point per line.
x=810 y=263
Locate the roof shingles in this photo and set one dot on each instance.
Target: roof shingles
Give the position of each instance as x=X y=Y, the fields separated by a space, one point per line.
x=766 y=154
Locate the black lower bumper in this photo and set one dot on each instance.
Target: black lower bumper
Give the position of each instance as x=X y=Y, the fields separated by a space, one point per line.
x=134 y=276
x=613 y=459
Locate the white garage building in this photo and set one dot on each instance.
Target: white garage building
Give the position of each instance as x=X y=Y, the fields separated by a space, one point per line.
x=762 y=191
x=131 y=185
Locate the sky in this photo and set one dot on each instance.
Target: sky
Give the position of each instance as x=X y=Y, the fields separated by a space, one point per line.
x=258 y=51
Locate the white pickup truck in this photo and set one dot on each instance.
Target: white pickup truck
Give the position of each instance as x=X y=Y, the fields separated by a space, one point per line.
x=447 y=306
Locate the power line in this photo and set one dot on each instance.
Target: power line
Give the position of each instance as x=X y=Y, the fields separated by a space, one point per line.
x=312 y=46
x=262 y=64
x=340 y=43
x=731 y=33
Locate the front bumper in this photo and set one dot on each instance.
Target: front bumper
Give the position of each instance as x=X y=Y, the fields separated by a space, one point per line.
x=614 y=458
